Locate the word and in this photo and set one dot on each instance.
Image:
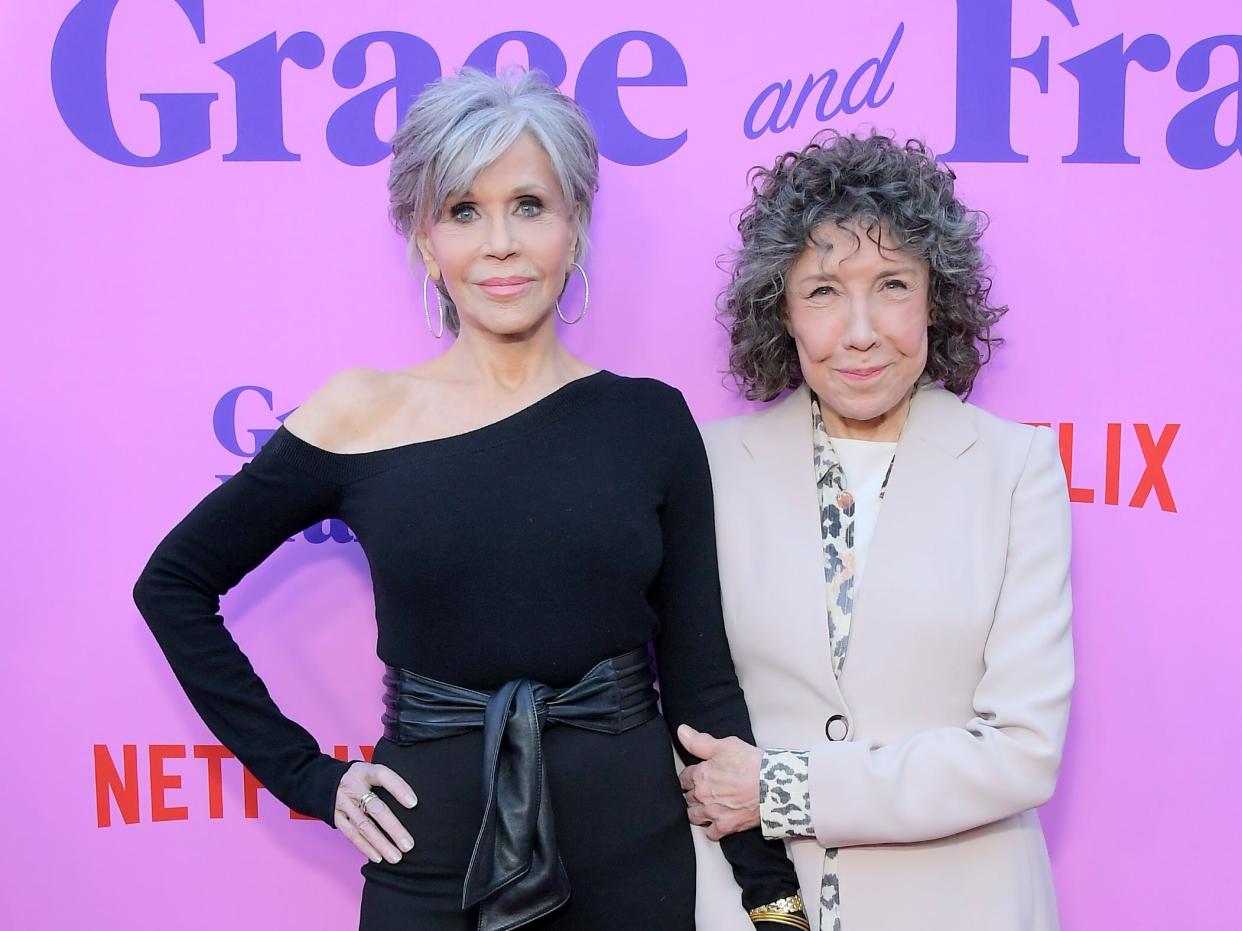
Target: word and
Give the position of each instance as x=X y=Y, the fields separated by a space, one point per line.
x=774 y=99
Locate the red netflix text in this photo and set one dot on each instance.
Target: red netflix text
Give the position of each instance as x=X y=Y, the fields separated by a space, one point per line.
x=1104 y=486
x=148 y=785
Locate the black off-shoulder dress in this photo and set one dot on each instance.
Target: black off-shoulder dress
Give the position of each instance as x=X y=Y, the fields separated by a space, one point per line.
x=572 y=531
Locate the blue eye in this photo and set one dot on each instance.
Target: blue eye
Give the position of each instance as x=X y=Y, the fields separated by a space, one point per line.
x=889 y=285
x=822 y=291
x=529 y=207
x=462 y=212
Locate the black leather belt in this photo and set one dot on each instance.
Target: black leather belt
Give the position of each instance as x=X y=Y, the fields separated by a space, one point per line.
x=515 y=873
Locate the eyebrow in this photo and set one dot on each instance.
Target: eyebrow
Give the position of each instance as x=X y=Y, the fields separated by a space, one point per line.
x=532 y=187
x=898 y=270
x=886 y=273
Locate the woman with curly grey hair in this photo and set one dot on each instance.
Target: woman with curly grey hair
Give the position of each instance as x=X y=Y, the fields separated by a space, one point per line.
x=894 y=562
x=531 y=523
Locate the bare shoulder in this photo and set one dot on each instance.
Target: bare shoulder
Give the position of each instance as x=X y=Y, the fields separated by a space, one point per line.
x=348 y=408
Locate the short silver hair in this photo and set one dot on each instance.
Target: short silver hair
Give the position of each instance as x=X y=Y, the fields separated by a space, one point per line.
x=462 y=123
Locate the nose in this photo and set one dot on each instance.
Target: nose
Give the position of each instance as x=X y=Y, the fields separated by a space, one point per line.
x=501 y=242
x=860 y=330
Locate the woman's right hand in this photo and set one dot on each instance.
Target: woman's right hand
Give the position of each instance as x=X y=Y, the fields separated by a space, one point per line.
x=363 y=817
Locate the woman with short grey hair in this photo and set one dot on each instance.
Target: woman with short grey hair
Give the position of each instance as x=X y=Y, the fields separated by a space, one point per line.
x=531 y=523
x=894 y=562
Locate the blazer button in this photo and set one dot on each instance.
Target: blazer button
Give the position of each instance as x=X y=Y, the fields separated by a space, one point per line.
x=837 y=727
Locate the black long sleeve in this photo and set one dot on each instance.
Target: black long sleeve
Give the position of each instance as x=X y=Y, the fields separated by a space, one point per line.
x=698 y=684
x=228 y=534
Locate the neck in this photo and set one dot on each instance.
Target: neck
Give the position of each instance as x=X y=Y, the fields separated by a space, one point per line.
x=883 y=429
x=512 y=363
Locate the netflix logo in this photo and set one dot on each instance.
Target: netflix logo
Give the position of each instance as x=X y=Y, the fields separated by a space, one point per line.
x=1123 y=446
x=148 y=785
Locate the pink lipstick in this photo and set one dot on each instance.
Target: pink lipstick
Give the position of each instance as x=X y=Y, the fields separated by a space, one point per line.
x=510 y=286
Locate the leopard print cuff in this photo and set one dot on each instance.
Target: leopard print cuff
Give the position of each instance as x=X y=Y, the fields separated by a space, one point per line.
x=785 y=794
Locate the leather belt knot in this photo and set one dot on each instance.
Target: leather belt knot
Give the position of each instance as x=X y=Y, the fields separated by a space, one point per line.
x=515 y=874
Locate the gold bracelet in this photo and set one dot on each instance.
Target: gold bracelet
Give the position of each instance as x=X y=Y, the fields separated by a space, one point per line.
x=776 y=918
x=786 y=911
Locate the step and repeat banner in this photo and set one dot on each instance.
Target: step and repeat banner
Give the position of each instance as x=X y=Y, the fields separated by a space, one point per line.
x=195 y=237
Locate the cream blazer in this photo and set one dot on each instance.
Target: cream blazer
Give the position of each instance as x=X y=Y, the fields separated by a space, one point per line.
x=953 y=703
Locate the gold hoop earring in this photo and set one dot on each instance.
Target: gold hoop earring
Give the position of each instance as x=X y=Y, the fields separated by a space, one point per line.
x=427 y=308
x=586 y=298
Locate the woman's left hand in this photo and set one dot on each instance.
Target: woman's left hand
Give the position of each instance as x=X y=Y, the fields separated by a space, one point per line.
x=722 y=792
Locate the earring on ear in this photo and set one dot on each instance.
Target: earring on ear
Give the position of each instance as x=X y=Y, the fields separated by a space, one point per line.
x=586 y=298
x=427 y=308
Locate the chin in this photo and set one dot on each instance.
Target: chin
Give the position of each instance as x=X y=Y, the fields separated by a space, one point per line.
x=509 y=321
x=863 y=414
x=864 y=410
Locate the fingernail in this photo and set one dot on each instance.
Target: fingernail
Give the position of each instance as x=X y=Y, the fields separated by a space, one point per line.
x=407 y=845
x=409 y=801
x=377 y=859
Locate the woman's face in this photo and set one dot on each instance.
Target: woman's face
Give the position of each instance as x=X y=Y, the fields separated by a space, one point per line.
x=858 y=315
x=503 y=248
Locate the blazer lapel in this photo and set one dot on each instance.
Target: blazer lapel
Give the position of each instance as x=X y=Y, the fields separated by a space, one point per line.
x=937 y=431
x=779 y=440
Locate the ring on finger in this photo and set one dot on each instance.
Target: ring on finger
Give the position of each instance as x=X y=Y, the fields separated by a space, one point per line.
x=365 y=800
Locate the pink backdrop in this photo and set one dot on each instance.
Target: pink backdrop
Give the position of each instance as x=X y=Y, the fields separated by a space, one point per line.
x=138 y=296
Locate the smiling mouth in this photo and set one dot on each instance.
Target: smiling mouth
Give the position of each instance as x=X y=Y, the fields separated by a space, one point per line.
x=862 y=374
x=505 y=287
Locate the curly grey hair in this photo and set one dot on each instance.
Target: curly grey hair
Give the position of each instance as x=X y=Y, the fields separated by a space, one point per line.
x=461 y=124
x=887 y=188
